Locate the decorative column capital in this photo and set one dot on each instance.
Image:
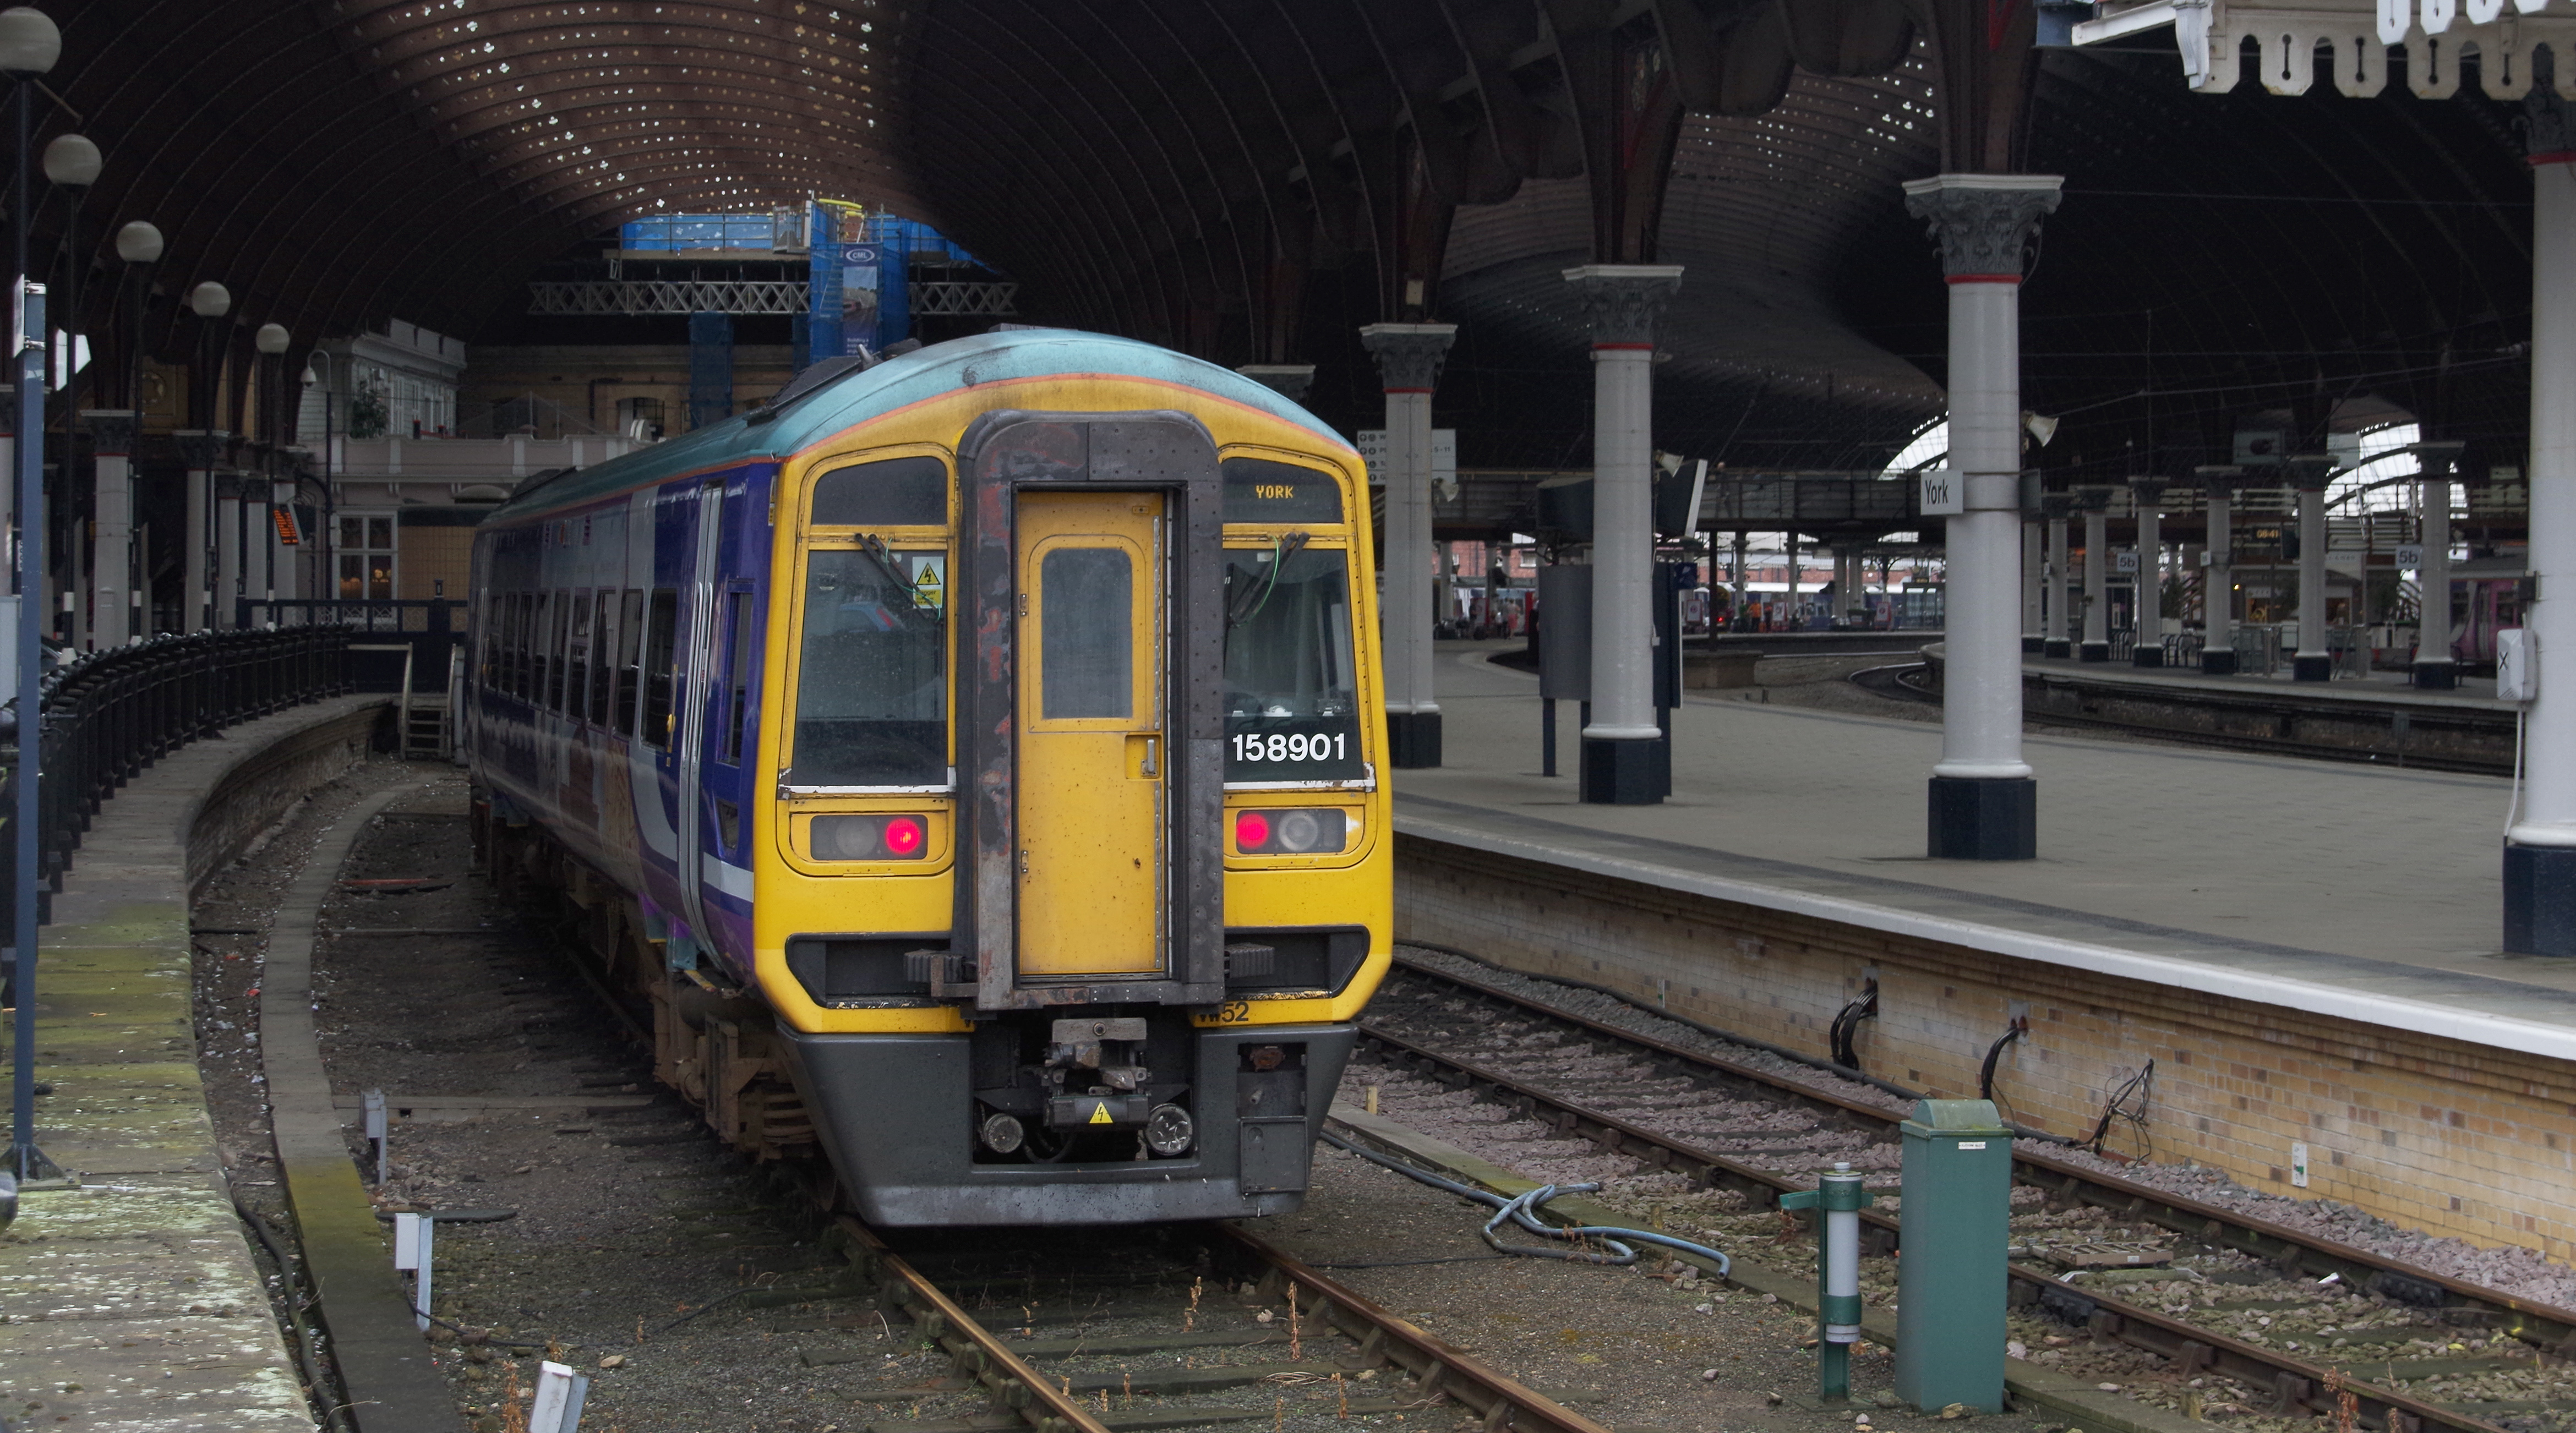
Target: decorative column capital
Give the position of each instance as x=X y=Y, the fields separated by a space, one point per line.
x=2548 y=125
x=1288 y=380
x=2146 y=493
x=1409 y=355
x=199 y=448
x=1982 y=220
x=2311 y=472
x=2220 y=482
x=228 y=485
x=2056 y=506
x=1622 y=303
x=111 y=431
x=2094 y=497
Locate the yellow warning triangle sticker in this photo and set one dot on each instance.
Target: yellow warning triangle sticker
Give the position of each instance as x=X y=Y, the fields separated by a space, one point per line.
x=1100 y=1115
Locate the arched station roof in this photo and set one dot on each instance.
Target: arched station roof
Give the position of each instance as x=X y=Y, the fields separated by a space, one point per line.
x=1249 y=182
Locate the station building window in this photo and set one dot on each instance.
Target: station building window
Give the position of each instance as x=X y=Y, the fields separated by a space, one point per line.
x=366 y=556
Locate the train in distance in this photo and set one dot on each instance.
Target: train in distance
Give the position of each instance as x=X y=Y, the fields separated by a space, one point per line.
x=969 y=762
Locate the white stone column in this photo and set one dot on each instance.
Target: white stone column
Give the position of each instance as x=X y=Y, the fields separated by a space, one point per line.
x=1621 y=303
x=1409 y=356
x=2435 y=669
x=2096 y=503
x=198 y=449
x=112 y=534
x=2540 y=847
x=2060 y=641
x=2314 y=661
x=2146 y=496
x=229 y=565
x=2217 y=576
x=1983 y=804
x=2034 y=582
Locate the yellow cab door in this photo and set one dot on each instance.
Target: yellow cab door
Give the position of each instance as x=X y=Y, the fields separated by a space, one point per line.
x=1093 y=821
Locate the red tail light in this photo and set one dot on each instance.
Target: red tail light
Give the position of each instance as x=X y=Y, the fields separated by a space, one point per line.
x=1293 y=831
x=868 y=838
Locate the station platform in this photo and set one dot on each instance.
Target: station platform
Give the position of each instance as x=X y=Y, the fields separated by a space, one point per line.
x=2307 y=950
x=128 y=1297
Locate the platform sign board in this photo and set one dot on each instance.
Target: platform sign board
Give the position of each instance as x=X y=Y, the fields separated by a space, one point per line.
x=1444 y=457
x=2125 y=561
x=2409 y=554
x=1942 y=494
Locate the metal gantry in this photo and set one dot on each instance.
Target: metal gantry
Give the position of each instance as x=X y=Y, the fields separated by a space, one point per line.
x=634 y=297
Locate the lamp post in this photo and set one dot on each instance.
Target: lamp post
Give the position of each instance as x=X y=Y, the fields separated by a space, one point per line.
x=199 y=448
x=271 y=341
x=72 y=164
x=325 y=584
x=29 y=46
x=115 y=578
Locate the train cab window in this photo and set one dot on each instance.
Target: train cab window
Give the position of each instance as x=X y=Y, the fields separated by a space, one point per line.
x=737 y=676
x=890 y=492
x=630 y=648
x=577 y=616
x=872 y=671
x=1291 y=697
x=660 y=645
x=1260 y=491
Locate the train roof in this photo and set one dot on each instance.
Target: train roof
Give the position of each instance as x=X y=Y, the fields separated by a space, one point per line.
x=926 y=373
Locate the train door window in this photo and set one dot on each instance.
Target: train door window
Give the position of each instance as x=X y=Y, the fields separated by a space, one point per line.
x=661 y=644
x=872 y=670
x=1087 y=638
x=603 y=653
x=1291 y=693
x=737 y=688
x=630 y=647
x=577 y=632
x=537 y=615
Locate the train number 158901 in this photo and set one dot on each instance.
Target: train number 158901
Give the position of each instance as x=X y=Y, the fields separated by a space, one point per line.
x=1291 y=746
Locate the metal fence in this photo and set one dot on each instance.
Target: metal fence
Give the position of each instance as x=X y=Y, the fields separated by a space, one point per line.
x=431 y=627
x=109 y=716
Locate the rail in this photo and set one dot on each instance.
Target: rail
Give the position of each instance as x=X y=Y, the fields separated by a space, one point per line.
x=2297 y=1384
x=110 y=715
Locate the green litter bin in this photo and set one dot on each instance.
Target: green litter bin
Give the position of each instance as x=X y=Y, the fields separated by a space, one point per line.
x=1950 y=1279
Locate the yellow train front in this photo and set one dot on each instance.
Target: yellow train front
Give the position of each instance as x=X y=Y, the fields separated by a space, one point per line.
x=983 y=745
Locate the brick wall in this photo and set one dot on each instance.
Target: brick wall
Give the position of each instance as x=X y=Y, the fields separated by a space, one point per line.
x=2434 y=1133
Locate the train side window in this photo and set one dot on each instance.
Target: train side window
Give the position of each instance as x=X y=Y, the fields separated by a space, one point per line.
x=558 y=647
x=577 y=631
x=890 y=492
x=661 y=644
x=737 y=674
x=520 y=618
x=603 y=653
x=630 y=648
x=540 y=619
x=871 y=672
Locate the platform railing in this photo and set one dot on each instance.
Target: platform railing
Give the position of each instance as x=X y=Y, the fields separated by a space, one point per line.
x=112 y=714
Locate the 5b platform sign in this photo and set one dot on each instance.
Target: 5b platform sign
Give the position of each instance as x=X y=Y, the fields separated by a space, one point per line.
x=1941 y=493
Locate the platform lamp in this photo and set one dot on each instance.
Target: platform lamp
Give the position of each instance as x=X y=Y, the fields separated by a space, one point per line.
x=30 y=44
x=72 y=165
x=139 y=245
x=200 y=449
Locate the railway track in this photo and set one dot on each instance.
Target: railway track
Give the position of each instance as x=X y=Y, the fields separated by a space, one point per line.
x=1218 y=1294
x=1889 y=681
x=1725 y=1124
